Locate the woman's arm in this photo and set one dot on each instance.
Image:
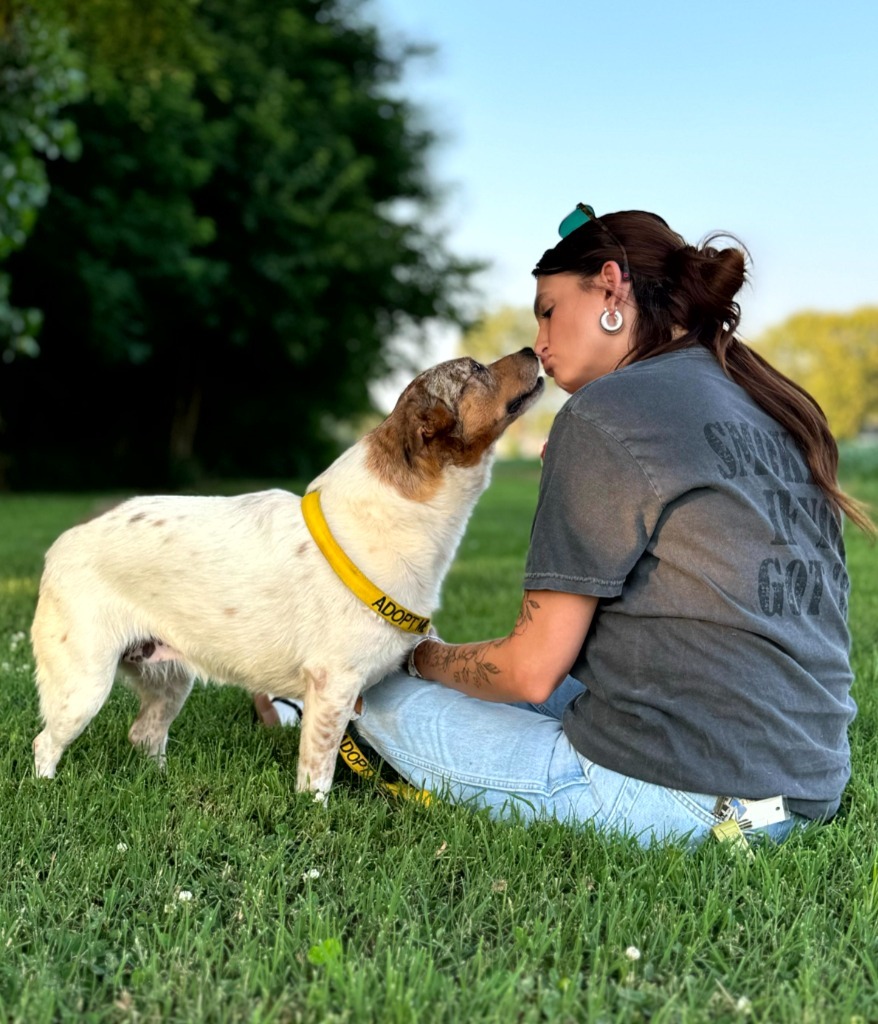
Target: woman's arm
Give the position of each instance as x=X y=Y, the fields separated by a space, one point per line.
x=527 y=665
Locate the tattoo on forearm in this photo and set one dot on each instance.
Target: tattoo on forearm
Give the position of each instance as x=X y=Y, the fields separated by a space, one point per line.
x=467 y=664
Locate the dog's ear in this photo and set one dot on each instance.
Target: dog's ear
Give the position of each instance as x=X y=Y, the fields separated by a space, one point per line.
x=424 y=424
x=435 y=421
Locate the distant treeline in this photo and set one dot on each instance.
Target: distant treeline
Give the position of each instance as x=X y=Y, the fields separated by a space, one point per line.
x=235 y=219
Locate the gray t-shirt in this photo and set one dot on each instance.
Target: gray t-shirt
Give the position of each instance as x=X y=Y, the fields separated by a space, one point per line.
x=717 y=661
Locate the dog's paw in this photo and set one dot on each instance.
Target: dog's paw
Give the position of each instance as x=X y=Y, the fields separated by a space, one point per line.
x=44 y=763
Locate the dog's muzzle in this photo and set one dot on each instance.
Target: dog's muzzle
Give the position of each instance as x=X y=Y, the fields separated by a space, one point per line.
x=516 y=403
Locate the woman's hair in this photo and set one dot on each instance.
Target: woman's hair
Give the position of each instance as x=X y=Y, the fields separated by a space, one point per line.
x=678 y=286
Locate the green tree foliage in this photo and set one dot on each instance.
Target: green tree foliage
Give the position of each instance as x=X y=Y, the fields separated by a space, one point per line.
x=223 y=268
x=38 y=77
x=132 y=42
x=834 y=356
x=498 y=333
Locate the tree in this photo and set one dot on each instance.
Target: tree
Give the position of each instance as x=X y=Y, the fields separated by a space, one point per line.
x=227 y=261
x=834 y=356
x=498 y=333
x=38 y=77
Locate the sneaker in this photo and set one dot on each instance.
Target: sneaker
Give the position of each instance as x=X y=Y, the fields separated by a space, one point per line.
x=273 y=711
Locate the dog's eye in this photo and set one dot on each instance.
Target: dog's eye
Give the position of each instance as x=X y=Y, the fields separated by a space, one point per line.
x=477 y=367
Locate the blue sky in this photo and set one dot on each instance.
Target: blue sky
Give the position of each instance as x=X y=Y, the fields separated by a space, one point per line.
x=756 y=118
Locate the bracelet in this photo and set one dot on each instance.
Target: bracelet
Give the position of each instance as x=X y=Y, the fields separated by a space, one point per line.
x=410 y=662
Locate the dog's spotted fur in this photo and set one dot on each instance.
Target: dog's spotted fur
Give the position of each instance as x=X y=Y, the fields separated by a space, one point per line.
x=234 y=589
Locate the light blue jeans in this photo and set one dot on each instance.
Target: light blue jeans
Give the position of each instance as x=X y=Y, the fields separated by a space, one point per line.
x=515 y=760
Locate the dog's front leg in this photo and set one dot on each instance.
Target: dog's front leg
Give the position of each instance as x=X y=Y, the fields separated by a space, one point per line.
x=329 y=704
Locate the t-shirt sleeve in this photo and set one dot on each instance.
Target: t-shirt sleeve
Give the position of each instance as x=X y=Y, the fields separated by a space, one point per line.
x=596 y=511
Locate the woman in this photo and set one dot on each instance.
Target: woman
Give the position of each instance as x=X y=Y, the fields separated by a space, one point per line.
x=681 y=655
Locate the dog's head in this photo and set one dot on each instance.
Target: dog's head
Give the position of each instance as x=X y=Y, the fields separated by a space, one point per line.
x=452 y=415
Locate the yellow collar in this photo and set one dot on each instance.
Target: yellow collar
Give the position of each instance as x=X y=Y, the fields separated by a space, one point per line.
x=380 y=603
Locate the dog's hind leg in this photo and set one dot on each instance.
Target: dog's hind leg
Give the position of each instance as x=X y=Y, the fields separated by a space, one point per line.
x=163 y=688
x=74 y=675
x=324 y=721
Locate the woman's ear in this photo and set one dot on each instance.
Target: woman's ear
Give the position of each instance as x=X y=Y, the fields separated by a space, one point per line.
x=612 y=281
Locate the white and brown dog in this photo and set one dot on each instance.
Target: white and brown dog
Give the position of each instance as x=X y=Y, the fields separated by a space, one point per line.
x=236 y=590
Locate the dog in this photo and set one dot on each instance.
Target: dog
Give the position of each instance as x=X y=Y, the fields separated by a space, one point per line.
x=236 y=590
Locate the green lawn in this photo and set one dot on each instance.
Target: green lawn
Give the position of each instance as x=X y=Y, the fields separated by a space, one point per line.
x=213 y=892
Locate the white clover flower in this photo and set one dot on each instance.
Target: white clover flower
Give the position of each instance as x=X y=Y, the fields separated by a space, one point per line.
x=184 y=896
x=310 y=875
x=633 y=953
x=744 y=1006
x=122 y=847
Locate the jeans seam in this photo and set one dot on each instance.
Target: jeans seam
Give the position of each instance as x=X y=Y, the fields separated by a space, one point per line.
x=457 y=777
x=693 y=806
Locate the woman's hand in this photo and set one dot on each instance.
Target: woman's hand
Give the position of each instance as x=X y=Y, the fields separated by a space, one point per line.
x=528 y=664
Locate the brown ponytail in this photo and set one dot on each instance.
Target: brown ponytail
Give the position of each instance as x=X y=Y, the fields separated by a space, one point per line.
x=685 y=296
x=799 y=413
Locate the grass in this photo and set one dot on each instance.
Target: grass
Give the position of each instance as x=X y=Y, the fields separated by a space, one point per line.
x=213 y=892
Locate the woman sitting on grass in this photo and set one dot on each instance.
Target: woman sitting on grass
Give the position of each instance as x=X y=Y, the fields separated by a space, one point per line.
x=681 y=655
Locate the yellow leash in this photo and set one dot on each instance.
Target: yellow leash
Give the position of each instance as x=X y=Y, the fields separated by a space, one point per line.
x=380 y=603
x=356 y=760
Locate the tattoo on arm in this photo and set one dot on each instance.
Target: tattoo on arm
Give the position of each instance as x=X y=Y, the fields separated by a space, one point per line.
x=465 y=664
x=468 y=664
x=526 y=615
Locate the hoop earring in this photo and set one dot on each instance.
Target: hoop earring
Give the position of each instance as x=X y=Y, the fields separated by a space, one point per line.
x=605 y=322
